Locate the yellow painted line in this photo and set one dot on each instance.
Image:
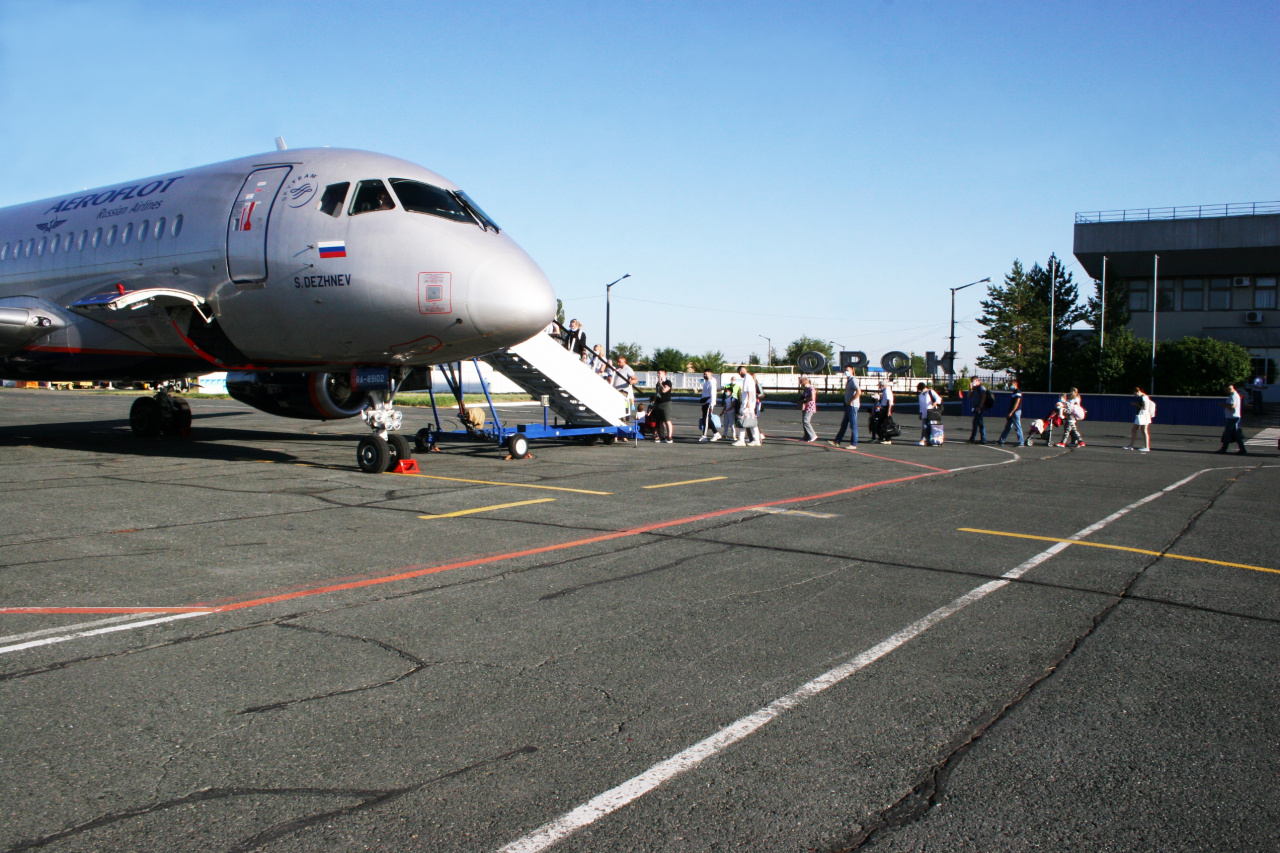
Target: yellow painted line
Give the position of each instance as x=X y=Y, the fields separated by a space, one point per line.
x=684 y=482
x=1122 y=548
x=515 y=485
x=486 y=508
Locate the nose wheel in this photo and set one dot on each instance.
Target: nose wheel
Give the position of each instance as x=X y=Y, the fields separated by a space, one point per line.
x=384 y=449
x=163 y=413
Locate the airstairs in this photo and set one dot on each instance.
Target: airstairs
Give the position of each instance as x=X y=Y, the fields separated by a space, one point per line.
x=544 y=368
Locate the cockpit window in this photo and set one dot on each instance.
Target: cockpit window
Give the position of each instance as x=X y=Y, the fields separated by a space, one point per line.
x=485 y=221
x=424 y=198
x=334 y=196
x=371 y=196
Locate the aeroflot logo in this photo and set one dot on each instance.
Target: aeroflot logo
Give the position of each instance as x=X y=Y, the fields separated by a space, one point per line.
x=122 y=194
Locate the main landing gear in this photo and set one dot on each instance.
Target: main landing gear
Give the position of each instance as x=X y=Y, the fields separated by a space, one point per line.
x=384 y=449
x=163 y=413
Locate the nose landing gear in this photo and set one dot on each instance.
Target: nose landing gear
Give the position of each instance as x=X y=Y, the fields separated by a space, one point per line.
x=384 y=449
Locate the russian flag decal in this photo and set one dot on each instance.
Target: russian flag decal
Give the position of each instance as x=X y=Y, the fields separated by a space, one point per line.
x=332 y=248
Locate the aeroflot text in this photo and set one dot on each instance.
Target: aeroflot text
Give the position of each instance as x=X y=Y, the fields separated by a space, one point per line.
x=322 y=281
x=122 y=194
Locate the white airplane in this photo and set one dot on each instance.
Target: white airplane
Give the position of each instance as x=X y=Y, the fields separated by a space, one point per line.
x=320 y=278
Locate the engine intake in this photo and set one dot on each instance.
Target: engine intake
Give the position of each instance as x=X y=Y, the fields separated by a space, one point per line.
x=310 y=396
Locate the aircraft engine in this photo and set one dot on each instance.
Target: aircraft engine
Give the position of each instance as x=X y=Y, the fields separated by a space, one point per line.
x=311 y=396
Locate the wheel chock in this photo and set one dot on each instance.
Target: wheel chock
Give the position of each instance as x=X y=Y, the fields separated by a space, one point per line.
x=406 y=466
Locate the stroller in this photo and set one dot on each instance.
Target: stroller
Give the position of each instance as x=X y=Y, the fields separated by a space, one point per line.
x=1043 y=428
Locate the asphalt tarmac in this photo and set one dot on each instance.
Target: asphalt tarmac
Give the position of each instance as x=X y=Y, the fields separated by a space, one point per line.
x=238 y=642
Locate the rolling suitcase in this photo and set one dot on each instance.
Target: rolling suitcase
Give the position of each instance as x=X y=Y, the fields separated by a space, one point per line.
x=935 y=434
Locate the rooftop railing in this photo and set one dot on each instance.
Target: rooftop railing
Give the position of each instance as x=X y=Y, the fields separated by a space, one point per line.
x=1199 y=211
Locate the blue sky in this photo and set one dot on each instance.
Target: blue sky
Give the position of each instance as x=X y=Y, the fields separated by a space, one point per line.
x=775 y=169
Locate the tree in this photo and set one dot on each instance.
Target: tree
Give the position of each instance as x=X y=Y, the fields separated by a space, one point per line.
x=669 y=359
x=917 y=365
x=560 y=312
x=633 y=353
x=753 y=359
x=1117 y=305
x=713 y=361
x=804 y=344
x=1199 y=366
x=1016 y=317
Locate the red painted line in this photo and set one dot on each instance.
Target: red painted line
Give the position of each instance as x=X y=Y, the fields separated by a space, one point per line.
x=83 y=610
x=417 y=571
x=817 y=445
x=410 y=572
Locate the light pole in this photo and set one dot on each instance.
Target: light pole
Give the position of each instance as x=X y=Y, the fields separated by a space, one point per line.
x=768 y=353
x=952 y=350
x=608 y=290
x=1053 y=304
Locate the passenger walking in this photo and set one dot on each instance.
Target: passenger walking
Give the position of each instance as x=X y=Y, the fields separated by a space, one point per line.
x=728 y=416
x=1143 y=416
x=1231 y=431
x=748 y=397
x=852 y=402
x=1013 y=420
x=575 y=340
x=708 y=400
x=882 y=414
x=660 y=406
x=1072 y=413
x=1259 y=385
x=624 y=379
x=929 y=401
x=808 y=406
x=978 y=395
x=599 y=363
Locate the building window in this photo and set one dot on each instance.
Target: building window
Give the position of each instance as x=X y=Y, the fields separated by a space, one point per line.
x=1138 y=295
x=1166 y=301
x=1264 y=294
x=1219 y=294
x=1193 y=294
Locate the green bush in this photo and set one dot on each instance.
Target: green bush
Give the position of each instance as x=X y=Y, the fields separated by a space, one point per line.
x=1199 y=366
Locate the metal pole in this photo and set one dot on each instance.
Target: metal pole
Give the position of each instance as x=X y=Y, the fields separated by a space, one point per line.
x=953 y=290
x=1053 y=275
x=1102 y=323
x=1155 y=307
x=768 y=353
x=608 y=292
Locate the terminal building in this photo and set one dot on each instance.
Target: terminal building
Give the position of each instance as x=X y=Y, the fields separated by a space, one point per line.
x=1217 y=271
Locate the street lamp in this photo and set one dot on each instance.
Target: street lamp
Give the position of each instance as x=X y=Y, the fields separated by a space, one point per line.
x=768 y=353
x=952 y=350
x=608 y=290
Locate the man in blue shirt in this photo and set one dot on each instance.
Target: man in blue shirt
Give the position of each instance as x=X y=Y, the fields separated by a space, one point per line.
x=1232 y=431
x=1013 y=420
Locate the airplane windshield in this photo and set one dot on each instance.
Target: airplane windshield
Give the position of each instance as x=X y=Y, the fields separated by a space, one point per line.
x=479 y=214
x=371 y=196
x=424 y=198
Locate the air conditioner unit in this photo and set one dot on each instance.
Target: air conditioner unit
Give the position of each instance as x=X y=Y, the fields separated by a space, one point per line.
x=1253 y=316
x=1242 y=280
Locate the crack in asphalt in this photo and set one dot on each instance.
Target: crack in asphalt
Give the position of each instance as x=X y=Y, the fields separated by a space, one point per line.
x=570 y=590
x=925 y=794
x=368 y=798
x=418 y=664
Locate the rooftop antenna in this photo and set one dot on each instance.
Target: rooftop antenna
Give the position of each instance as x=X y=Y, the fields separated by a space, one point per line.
x=280 y=146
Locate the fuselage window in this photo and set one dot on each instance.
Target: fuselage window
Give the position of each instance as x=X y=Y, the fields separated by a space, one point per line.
x=97 y=238
x=334 y=196
x=53 y=244
x=111 y=236
x=418 y=197
x=143 y=229
x=371 y=196
x=127 y=235
x=84 y=237
x=4 y=251
x=159 y=227
x=177 y=225
x=40 y=247
x=31 y=246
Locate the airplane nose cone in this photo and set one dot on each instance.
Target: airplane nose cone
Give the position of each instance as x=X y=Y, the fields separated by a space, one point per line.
x=511 y=299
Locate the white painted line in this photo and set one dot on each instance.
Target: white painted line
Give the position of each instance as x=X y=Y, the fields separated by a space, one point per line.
x=62 y=629
x=49 y=641
x=682 y=762
x=780 y=511
x=1267 y=438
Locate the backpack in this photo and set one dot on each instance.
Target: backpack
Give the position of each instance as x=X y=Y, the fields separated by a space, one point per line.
x=1078 y=411
x=988 y=401
x=1151 y=408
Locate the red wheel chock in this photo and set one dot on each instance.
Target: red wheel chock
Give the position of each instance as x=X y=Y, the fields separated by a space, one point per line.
x=406 y=466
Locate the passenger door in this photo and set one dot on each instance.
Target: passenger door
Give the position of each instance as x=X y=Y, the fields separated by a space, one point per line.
x=247 y=230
